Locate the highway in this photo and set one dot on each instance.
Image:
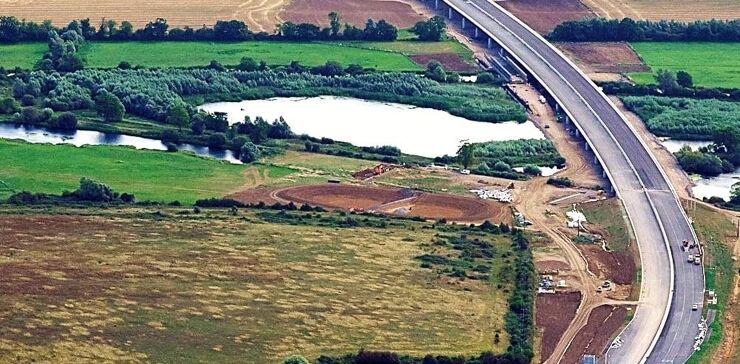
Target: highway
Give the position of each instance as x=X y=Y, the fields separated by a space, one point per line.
x=664 y=326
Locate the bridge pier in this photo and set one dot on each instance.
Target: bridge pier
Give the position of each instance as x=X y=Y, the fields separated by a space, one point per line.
x=436 y=4
x=489 y=43
x=475 y=33
x=463 y=23
x=585 y=145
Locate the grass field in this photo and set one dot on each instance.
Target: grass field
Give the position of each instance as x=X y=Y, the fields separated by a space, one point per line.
x=24 y=55
x=710 y=64
x=149 y=175
x=133 y=286
x=386 y=56
x=610 y=216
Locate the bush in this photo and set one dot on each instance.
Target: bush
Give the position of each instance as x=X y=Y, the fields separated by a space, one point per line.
x=295 y=359
x=90 y=190
x=560 y=182
x=698 y=162
x=217 y=141
x=532 y=170
x=501 y=167
x=66 y=121
x=9 y=106
x=485 y=78
x=28 y=100
x=249 y=152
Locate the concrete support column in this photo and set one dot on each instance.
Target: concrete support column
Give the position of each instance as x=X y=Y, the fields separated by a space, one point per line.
x=578 y=133
x=585 y=145
x=557 y=107
x=489 y=42
x=567 y=120
x=463 y=23
x=436 y=4
x=449 y=13
x=603 y=173
x=596 y=161
x=475 y=34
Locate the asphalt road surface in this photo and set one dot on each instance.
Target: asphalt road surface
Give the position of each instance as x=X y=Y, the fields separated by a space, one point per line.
x=656 y=216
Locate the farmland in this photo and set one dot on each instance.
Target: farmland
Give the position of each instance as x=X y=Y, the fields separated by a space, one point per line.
x=544 y=15
x=149 y=175
x=23 y=55
x=261 y=15
x=710 y=64
x=683 y=10
x=130 y=285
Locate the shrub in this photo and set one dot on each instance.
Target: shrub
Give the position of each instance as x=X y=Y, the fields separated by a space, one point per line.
x=217 y=141
x=295 y=359
x=66 y=121
x=249 y=152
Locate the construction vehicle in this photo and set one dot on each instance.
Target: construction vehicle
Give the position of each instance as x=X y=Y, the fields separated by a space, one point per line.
x=691 y=258
x=697 y=261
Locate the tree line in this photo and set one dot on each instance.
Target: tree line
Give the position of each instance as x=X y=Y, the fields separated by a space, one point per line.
x=629 y=30
x=13 y=30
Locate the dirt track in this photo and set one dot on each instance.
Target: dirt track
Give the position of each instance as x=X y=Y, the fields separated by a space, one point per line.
x=392 y=201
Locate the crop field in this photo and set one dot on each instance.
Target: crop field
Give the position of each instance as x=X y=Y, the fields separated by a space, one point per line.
x=260 y=15
x=149 y=175
x=398 y=12
x=544 y=15
x=710 y=64
x=133 y=286
x=683 y=10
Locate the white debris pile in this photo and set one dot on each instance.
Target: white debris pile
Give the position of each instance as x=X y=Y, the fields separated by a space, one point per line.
x=546 y=285
x=498 y=195
x=575 y=218
x=699 y=339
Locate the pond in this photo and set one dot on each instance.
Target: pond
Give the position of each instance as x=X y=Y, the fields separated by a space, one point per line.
x=705 y=187
x=88 y=137
x=414 y=130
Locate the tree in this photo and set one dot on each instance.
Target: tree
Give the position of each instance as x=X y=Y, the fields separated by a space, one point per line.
x=334 y=24
x=532 y=170
x=66 y=121
x=9 y=106
x=109 y=106
x=430 y=30
x=466 y=154
x=156 y=30
x=435 y=71
x=280 y=129
x=247 y=64
x=666 y=81
x=330 y=68
x=217 y=141
x=90 y=190
x=216 y=65
x=735 y=194
x=501 y=166
x=249 y=152
x=485 y=77
x=232 y=30
x=178 y=116
x=684 y=79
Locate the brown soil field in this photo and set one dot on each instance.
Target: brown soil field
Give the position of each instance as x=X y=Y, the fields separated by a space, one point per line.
x=394 y=201
x=255 y=195
x=544 y=15
x=603 y=323
x=343 y=196
x=551 y=266
x=397 y=12
x=168 y=286
x=450 y=61
x=618 y=267
x=684 y=10
x=616 y=57
x=261 y=15
x=553 y=314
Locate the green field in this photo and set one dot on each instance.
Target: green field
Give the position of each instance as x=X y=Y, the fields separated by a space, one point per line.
x=24 y=55
x=192 y=54
x=149 y=175
x=710 y=64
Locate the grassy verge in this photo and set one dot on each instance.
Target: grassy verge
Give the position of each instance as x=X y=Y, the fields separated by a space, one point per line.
x=175 y=286
x=609 y=215
x=718 y=233
x=149 y=175
x=710 y=64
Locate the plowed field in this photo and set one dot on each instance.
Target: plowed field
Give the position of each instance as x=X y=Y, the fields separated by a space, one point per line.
x=544 y=15
x=398 y=13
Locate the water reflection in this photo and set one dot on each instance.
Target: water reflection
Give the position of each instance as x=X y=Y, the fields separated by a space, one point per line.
x=414 y=130
x=89 y=137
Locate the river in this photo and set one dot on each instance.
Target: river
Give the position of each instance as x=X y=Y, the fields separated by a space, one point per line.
x=89 y=137
x=414 y=130
x=705 y=187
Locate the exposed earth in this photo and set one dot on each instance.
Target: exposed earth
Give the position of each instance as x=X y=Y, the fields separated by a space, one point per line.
x=544 y=15
x=604 y=61
x=553 y=314
x=398 y=12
